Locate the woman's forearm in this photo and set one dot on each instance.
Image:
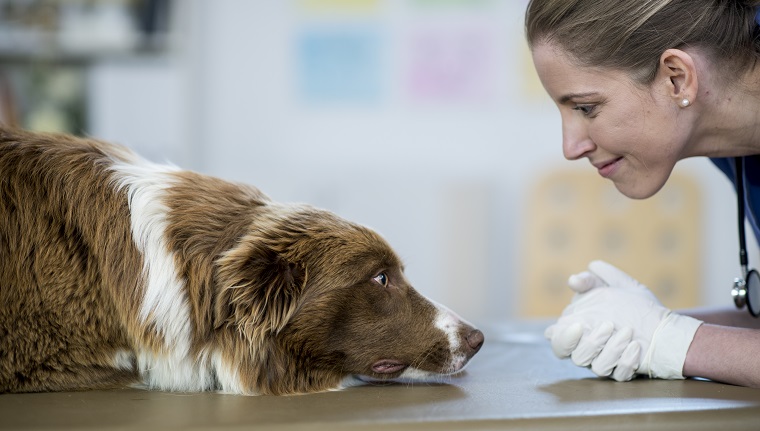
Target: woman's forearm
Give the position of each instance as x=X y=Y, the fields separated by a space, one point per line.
x=725 y=354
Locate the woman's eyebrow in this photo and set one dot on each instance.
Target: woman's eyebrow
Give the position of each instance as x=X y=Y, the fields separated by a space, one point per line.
x=567 y=97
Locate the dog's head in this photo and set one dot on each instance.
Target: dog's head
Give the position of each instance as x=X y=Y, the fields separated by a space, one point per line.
x=310 y=302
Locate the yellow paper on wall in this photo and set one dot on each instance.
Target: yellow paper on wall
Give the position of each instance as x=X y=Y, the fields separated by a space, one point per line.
x=340 y=5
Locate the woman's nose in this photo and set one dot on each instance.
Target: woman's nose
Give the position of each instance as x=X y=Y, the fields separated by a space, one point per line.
x=576 y=142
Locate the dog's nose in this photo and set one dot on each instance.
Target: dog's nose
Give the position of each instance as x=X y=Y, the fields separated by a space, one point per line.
x=474 y=341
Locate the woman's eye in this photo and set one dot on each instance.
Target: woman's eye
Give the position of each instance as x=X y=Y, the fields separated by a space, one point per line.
x=382 y=279
x=586 y=110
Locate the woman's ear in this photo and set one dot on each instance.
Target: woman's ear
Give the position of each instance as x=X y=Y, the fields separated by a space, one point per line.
x=678 y=73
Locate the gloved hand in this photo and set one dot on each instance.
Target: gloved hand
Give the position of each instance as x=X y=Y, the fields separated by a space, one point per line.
x=617 y=326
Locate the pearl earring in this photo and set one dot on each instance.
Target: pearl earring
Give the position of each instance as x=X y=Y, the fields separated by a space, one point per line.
x=685 y=102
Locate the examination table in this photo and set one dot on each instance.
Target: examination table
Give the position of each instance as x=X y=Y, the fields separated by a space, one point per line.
x=515 y=382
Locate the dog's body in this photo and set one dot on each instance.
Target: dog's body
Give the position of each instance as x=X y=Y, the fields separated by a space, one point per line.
x=115 y=271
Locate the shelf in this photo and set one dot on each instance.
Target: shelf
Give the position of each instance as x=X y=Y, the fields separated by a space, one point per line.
x=35 y=48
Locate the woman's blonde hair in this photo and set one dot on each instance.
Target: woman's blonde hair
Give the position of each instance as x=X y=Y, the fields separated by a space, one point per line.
x=630 y=35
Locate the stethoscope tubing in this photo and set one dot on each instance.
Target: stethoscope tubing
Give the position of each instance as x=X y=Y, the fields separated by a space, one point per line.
x=739 y=162
x=744 y=286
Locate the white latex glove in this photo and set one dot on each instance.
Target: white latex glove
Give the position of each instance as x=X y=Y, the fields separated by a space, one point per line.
x=617 y=326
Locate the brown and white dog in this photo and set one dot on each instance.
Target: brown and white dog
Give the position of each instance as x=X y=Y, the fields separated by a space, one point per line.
x=116 y=271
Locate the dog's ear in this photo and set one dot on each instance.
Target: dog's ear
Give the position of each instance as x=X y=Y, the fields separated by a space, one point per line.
x=258 y=288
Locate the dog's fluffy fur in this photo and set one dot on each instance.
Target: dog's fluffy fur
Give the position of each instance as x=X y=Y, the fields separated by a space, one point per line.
x=116 y=271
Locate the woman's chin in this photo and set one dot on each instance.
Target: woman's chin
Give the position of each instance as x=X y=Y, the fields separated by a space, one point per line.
x=639 y=189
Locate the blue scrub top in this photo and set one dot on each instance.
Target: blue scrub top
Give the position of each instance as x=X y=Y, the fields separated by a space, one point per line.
x=751 y=186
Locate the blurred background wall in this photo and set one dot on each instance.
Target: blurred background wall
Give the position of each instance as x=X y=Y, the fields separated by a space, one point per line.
x=420 y=118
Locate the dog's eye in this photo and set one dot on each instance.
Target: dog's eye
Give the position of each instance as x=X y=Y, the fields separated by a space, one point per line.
x=382 y=279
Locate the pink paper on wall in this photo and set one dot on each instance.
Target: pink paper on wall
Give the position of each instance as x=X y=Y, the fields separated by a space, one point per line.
x=451 y=64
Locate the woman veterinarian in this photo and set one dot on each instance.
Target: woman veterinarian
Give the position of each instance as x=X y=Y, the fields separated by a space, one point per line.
x=640 y=85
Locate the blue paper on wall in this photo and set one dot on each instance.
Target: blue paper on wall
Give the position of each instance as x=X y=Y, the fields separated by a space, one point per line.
x=339 y=64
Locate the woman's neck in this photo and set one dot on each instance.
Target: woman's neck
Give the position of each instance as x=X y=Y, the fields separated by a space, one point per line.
x=728 y=123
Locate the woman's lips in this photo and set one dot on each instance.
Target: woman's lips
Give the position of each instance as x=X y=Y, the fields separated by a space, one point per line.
x=606 y=169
